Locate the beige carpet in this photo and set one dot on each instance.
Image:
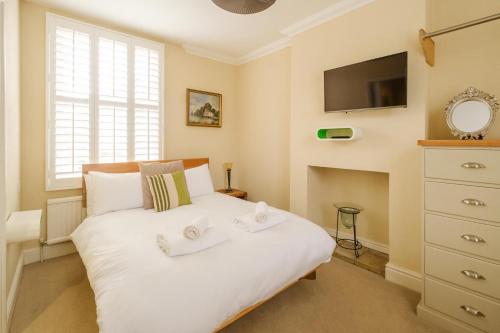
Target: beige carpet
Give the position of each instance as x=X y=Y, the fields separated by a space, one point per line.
x=55 y=296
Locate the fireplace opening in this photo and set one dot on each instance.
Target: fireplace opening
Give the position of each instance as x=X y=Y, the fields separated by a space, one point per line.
x=368 y=189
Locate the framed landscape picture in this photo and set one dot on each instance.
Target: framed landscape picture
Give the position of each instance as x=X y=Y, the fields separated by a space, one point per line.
x=203 y=108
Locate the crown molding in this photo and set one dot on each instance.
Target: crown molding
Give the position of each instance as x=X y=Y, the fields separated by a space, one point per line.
x=255 y=54
x=335 y=10
x=206 y=53
x=329 y=13
x=265 y=50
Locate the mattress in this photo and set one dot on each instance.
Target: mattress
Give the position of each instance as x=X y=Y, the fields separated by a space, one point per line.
x=139 y=289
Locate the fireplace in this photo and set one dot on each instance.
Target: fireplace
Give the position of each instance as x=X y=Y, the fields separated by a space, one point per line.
x=365 y=188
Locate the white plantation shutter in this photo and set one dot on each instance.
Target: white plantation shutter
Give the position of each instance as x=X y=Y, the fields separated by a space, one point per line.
x=113 y=101
x=147 y=134
x=112 y=70
x=72 y=62
x=71 y=102
x=113 y=134
x=104 y=99
x=147 y=104
x=72 y=146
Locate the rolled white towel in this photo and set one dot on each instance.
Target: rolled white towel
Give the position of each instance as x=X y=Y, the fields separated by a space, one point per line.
x=247 y=222
x=261 y=211
x=176 y=245
x=197 y=228
x=163 y=243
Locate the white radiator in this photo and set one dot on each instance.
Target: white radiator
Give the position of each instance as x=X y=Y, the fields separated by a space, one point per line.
x=63 y=216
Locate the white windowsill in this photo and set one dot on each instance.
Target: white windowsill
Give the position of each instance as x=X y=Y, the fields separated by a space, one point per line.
x=63 y=184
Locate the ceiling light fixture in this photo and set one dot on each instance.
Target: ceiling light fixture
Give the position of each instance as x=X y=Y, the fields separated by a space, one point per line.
x=244 y=6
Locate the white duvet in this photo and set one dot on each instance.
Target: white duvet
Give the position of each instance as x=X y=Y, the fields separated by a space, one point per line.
x=140 y=289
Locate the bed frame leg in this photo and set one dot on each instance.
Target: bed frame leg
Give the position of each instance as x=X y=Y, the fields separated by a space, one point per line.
x=310 y=276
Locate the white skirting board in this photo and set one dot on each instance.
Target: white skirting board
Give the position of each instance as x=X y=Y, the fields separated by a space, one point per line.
x=365 y=241
x=49 y=252
x=404 y=277
x=393 y=273
x=14 y=288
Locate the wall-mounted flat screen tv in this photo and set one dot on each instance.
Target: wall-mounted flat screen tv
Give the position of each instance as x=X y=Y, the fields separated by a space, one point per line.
x=372 y=84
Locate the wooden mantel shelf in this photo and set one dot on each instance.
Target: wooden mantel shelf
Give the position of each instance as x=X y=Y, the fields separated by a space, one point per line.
x=459 y=143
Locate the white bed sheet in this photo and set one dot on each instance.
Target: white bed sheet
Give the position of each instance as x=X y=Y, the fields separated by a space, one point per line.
x=139 y=289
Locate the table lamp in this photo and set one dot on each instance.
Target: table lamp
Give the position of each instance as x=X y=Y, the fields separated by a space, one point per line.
x=227 y=167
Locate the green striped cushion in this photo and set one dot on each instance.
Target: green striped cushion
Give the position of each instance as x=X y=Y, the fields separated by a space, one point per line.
x=169 y=190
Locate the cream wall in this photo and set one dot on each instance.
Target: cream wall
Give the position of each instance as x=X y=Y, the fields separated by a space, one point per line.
x=187 y=71
x=12 y=125
x=3 y=214
x=389 y=143
x=181 y=71
x=464 y=58
x=263 y=97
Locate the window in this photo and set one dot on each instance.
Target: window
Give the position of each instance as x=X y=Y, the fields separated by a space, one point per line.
x=104 y=99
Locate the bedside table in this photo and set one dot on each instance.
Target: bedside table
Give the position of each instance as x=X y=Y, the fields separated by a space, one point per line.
x=24 y=226
x=234 y=193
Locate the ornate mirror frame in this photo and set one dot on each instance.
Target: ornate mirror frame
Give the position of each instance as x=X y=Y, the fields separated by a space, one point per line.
x=471 y=94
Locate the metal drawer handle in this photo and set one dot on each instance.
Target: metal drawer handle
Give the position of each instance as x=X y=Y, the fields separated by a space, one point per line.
x=473 y=238
x=472 y=311
x=473 y=202
x=473 y=165
x=473 y=275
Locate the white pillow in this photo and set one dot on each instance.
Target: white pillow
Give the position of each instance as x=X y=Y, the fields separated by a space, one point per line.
x=113 y=191
x=199 y=181
x=90 y=193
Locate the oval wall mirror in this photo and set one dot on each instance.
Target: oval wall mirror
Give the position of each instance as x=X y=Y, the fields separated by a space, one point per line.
x=470 y=114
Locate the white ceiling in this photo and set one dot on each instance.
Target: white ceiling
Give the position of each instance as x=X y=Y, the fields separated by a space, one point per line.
x=205 y=29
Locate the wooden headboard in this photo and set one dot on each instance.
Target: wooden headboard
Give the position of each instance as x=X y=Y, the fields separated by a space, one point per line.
x=129 y=167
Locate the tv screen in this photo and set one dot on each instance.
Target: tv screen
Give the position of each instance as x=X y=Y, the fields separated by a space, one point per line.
x=376 y=83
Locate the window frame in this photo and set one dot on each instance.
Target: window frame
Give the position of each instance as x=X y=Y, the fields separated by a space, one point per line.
x=94 y=31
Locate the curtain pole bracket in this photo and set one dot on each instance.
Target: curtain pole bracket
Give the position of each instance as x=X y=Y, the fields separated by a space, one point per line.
x=428 y=46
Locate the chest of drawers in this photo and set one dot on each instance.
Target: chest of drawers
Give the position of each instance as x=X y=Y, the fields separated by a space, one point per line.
x=461 y=238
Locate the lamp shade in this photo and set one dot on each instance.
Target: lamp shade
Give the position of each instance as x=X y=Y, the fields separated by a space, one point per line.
x=228 y=165
x=244 y=6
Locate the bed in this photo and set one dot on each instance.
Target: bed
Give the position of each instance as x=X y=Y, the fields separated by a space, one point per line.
x=139 y=289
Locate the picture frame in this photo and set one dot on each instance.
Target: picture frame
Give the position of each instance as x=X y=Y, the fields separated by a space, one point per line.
x=203 y=108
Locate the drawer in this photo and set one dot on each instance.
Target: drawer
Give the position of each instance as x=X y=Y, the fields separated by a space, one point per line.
x=464 y=271
x=473 y=165
x=451 y=300
x=469 y=201
x=450 y=233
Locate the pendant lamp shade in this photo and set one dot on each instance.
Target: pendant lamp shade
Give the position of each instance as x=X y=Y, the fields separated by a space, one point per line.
x=244 y=6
